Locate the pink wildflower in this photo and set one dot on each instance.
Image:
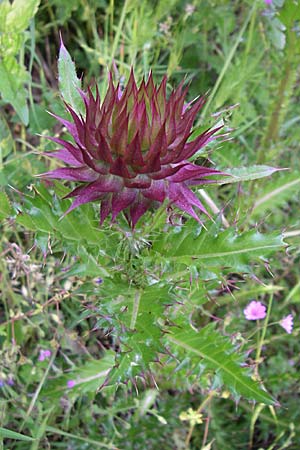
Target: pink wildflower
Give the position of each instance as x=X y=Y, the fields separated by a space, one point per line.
x=44 y=354
x=71 y=384
x=268 y=2
x=287 y=323
x=255 y=311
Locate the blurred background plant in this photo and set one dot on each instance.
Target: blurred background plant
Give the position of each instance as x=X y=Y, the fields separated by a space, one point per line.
x=61 y=289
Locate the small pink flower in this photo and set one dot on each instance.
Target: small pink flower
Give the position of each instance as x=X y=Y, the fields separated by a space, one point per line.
x=44 y=354
x=268 y=2
x=71 y=384
x=287 y=323
x=255 y=311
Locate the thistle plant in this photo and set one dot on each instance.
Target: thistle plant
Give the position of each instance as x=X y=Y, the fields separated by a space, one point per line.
x=130 y=152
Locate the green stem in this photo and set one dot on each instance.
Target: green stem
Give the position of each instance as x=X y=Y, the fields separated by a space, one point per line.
x=228 y=61
x=264 y=330
x=118 y=32
x=282 y=98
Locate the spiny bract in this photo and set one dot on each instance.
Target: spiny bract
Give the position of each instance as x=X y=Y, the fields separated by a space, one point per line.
x=131 y=151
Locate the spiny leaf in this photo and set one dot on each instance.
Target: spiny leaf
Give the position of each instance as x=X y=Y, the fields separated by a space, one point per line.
x=277 y=193
x=69 y=84
x=44 y=213
x=87 y=378
x=246 y=174
x=141 y=343
x=225 y=248
x=218 y=354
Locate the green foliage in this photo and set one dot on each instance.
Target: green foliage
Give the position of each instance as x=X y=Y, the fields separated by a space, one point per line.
x=69 y=84
x=4 y=432
x=277 y=194
x=214 y=248
x=5 y=206
x=238 y=174
x=15 y=19
x=221 y=356
x=141 y=314
x=168 y=309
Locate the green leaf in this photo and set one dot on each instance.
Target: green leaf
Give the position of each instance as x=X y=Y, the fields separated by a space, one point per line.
x=276 y=194
x=225 y=248
x=220 y=355
x=5 y=206
x=142 y=341
x=5 y=433
x=12 y=79
x=277 y=34
x=290 y=13
x=78 y=232
x=68 y=81
x=44 y=213
x=21 y=13
x=7 y=144
x=239 y=174
x=87 y=378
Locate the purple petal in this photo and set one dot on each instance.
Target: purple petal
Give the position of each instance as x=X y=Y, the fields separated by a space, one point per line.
x=287 y=323
x=140 y=206
x=71 y=173
x=76 y=152
x=105 y=208
x=65 y=156
x=156 y=192
x=192 y=147
x=84 y=198
x=78 y=122
x=70 y=127
x=183 y=198
x=255 y=311
x=102 y=185
x=191 y=171
x=121 y=201
x=139 y=182
x=153 y=155
x=166 y=171
x=133 y=154
x=119 y=168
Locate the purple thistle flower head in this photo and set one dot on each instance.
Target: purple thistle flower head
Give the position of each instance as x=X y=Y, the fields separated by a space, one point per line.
x=130 y=152
x=255 y=311
x=287 y=323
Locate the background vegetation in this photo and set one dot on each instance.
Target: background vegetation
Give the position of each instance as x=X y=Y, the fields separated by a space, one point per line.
x=59 y=282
